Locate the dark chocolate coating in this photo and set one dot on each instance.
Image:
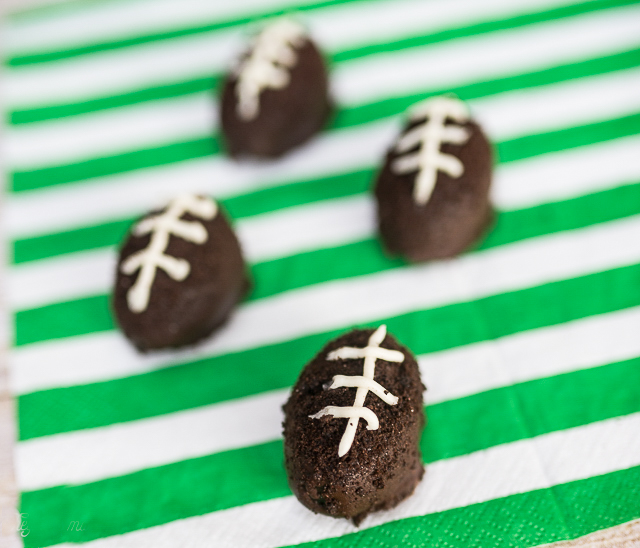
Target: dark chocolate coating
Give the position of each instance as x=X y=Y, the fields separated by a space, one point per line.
x=287 y=116
x=180 y=313
x=383 y=466
x=457 y=213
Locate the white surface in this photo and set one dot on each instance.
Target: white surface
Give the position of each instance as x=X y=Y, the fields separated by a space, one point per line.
x=386 y=20
x=500 y=471
x=94 y=454
x=551 y=107
x=157 y=123
x=200 y=55
x=339 y=221
x=342 y=303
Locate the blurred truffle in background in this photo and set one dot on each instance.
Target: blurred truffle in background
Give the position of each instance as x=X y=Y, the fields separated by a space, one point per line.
x=277 y=97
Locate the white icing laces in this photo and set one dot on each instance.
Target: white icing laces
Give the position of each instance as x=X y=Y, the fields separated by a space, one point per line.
x=430 y=135
x=267 y=65
x=364 y=385
x=161 y=227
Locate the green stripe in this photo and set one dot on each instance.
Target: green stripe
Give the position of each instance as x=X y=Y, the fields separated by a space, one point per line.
x=210 y=27
x=157 y=93
x=253 y=371
x=251 y=474
x=112 y=165
x=538 y=517
x=91 y=314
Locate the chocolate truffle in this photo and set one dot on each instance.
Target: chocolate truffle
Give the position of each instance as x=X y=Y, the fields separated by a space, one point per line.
x=352 y=426
x=180 y=273
x=277 y=97
x=433 y=190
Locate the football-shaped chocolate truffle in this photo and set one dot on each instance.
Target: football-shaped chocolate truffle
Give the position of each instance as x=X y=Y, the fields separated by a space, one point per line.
x=352 y=426
x=180 y=273
x=277 y=97
x=433 y=190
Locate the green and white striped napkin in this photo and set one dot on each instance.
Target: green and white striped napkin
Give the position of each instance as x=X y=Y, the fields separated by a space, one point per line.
x=529 y=344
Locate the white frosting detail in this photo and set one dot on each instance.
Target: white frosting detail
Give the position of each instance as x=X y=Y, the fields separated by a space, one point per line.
x=340 y=381
x=364 y=385
x=267 y=65
x=430 y=135
x=161 y=227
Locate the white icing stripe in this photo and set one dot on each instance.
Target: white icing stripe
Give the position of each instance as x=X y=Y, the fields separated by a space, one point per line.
x=341 y=303
x=535 y=463
x=551 y=107
x=428 y=137
x=353 y=414
x=268 y=64
x=336 y=27
x=340 y=381
x=94 y=454
x=162 y=227
x=370 y=353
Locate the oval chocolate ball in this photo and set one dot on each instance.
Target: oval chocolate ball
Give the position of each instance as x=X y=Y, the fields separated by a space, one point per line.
x=277 y=97
x=352 y=426
x=433 y=191
x=180 y=274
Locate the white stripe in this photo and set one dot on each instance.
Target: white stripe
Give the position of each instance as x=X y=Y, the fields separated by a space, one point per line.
x=579 y=344
x=340 y=221
x=263 y=237
x=109 y=132
x=102 y=23
x=503 y=116
x=118 y=72
x=568 y=104
x=567 y=174
x=339 y=304
x=304 y=228
x=488 y=56
x=99 y=22
x=198 y=56
x=536 y=463
x=91 y=455
x=152 y=442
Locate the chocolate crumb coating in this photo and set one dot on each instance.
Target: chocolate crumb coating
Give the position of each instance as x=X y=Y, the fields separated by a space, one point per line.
x=287 y=116
x=181 y=313
x=456 y=214
x=382 y=467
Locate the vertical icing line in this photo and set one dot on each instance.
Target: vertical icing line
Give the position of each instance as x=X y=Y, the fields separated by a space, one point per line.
x=429 y=136
x=162 y=227
x=364 y=384
x=268 y=64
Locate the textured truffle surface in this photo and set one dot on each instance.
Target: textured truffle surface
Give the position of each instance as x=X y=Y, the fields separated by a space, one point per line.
x=180 y=313
x=457 y=213
x=287 y=117
x=382 y=466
